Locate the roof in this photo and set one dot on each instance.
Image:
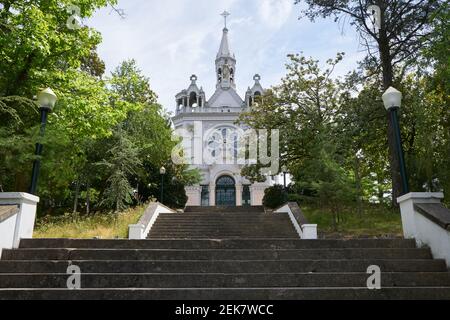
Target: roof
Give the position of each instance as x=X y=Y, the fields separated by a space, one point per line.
x=224 y=50
x=225 y=98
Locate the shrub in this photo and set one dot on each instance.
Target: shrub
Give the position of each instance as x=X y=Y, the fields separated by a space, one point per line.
x=274 y=197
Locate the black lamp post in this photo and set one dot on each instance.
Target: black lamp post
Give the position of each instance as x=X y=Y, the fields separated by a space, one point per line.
x=284 y=169
x=162 y=172
x=46 y=100
x=392 y=100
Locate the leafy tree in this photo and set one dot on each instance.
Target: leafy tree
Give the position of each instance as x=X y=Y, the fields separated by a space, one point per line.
x=404 y=29
x=302 y=107
x=122 y=164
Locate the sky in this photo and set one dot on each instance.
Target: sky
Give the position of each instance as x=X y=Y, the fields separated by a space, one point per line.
x=173 y=39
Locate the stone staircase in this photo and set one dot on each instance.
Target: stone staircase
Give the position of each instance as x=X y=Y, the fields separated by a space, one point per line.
x=222 y=223
x=202 y=256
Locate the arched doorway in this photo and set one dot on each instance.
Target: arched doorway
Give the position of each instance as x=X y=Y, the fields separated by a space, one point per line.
x=225 y=191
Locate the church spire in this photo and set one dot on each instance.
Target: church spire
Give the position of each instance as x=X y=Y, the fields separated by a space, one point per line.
x=224 y=50
x=225 y=60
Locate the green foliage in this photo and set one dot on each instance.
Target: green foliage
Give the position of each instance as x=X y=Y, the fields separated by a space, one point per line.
x=376 y=220
x=123 y=162
x=76 y=226
x=274 y=197
x=104 y=132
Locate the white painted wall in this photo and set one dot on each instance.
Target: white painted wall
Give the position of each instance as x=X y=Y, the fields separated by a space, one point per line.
x=20 y=225
x=7 y=230
x=141 y=229
x=305 y=231
x=424 y=231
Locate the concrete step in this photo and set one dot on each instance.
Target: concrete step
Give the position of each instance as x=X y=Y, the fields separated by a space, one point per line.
x=221 y=266
x=220 y=280
x=218 y=235
x=248 y=234
x=221 y=222
x=260 y=226
x=216 y=244
x=214 y=254
x=218 y=219
x=225 y=231
x=386 y=293
x=225 y=209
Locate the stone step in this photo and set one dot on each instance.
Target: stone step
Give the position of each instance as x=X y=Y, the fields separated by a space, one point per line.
x=203 y=222
x=218 y=219
x=222 y=266
x=217 y=244
x=218 y=236
x=237 y=215
x=218 y=280
x=214 y=254
x=386 y=293
x=221 y=225
x=225 y=230
x=214 y=234
x=225 y=209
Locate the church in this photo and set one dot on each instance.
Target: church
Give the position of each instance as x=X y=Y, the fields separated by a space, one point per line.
x=213 y=129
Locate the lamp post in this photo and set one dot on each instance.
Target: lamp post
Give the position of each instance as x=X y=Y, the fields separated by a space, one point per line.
x=392 y=100
x=162 y=172
x=46 y=100
x=284 y=169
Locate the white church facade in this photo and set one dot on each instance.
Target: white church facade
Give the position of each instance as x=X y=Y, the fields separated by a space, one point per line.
x=212 y=126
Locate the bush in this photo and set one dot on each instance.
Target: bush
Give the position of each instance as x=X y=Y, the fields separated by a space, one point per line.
x=274 y=197
x=294 y=197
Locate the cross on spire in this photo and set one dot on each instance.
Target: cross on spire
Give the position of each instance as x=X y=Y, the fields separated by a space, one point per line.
x=225 y=15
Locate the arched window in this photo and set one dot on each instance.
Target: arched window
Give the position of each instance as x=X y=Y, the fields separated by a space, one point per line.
x=225 y=181
x=257 y=97
x=192 y=99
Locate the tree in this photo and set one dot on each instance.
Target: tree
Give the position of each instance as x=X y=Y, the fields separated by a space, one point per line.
x=307 y=106
x=122 y=164
x=303 y=106
x=404 y=29
x=39 y=50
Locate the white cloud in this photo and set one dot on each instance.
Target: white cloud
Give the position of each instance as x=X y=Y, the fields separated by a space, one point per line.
x=275 y=13
x=173 y=39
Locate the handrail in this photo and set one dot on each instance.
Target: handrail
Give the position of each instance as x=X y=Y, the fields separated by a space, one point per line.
x=143 y=227
x=435 y=212
x=298 y=219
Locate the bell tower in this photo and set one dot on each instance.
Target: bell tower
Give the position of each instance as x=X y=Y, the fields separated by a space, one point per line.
x=225 y=61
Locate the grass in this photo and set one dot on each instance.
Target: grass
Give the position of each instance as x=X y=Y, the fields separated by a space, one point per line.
x=376 y=221
x=104 y=226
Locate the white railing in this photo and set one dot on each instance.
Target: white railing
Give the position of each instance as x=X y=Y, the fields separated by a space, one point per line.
x=18 y=222
x=142 y=228
x=427 y=221
x=304 y=230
